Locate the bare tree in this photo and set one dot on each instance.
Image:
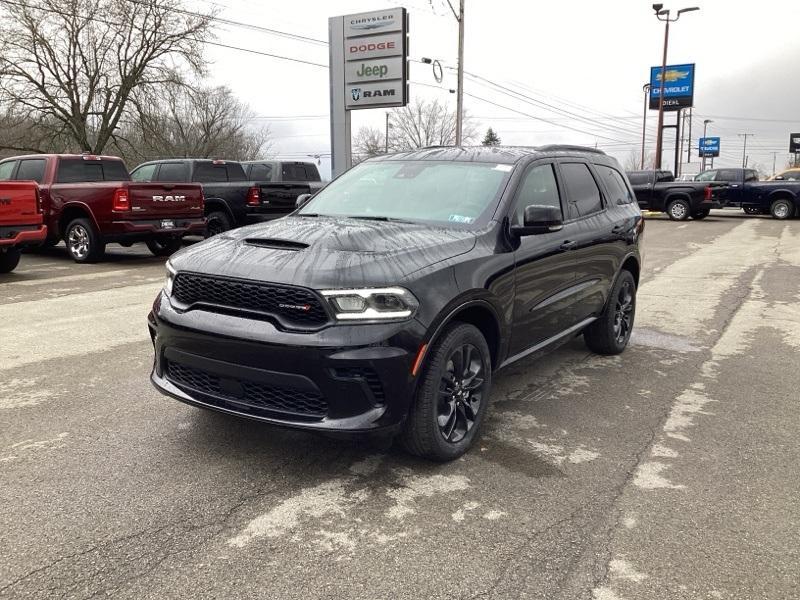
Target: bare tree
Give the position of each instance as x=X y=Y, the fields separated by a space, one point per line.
x=633 y=160
x=71 y=66
x=178 y=120
x=368 y=142
x=427 y=123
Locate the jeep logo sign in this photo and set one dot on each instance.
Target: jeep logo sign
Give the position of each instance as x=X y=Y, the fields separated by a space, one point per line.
x=380 y=69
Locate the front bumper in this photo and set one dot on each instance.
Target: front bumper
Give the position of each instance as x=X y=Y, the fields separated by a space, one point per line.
x=118 y=231
x=23 y=235
x=343 y=379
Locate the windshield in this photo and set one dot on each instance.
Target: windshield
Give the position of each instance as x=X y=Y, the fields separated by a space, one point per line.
x=456 y=193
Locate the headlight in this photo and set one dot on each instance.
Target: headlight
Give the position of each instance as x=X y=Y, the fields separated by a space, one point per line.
x=372 y=304
x=170 y=278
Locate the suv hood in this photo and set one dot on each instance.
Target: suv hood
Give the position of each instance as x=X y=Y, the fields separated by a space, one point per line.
x=325 y=252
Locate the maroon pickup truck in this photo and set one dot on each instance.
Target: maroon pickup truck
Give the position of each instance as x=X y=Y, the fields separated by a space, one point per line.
x=89 y=201
x=21 y=222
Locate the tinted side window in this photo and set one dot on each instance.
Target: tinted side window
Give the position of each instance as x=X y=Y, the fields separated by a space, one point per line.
x=728 y=175
x=706 y=176
x=312 y=173
x=236 y=172
x=751 y=176
x=172 y=172
x=206 y=172
x=144 y=173
x=260 y=172
x=539 y=187
x=114 y=170
x=615 y=184
x=31 y=170
x=640 y=177
x=665 y=176
x=294 y=172
x=6 y=169
x=582 y=188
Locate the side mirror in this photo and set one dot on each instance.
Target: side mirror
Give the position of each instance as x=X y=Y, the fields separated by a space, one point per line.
x=780 y=178
x=539 y=219
x=302 y=199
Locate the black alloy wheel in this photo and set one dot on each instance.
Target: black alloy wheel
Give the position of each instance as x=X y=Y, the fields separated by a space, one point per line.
x=452 y=396
x=610 y=333
x=460 y=393
x=623 y=312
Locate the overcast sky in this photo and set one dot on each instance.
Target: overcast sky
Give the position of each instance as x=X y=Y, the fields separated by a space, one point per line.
x=585 y=57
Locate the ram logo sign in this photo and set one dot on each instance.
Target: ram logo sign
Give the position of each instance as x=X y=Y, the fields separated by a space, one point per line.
x=169 y=198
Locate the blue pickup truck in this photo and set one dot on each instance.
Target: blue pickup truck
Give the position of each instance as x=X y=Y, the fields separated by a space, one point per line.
x=781 y=199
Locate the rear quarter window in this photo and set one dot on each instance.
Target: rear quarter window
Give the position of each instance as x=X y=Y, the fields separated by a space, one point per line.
x=78 y=170
x=31 y=169
x=616 y=185
x=583 y=191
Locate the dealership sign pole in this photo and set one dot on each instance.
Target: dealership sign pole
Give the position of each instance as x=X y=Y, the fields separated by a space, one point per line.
x=368 y=69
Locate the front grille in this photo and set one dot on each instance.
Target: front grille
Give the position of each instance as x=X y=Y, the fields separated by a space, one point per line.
x=292 y=306
x=368 y=375
x=251 y=394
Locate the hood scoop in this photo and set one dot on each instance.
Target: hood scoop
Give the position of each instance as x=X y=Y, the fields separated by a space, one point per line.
x=276 y=244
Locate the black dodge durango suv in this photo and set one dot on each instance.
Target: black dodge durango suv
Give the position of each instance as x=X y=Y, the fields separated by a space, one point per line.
x=385 y=304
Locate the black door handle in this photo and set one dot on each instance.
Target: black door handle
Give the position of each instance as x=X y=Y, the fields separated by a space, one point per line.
x=568 y=245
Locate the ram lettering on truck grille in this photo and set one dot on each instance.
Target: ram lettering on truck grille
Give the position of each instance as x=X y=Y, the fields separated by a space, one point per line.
x=169 y=198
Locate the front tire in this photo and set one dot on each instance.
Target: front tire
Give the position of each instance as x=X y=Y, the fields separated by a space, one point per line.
x=9 y=259
x=84 y=243
x=452 y=397
x=164 y=246
x=699 y=215
x=678 y=210
x=611 y=332
x=782 y=208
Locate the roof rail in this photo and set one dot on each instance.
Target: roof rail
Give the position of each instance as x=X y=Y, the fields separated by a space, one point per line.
x=569 y=148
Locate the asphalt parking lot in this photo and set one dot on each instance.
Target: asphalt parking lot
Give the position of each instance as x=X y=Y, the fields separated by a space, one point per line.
x=668 y=472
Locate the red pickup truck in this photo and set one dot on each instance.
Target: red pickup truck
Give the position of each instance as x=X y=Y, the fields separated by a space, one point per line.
x=21 y=222
x=89 y=201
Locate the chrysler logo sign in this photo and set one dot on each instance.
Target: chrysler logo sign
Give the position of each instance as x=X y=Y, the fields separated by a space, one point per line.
x=372 y=22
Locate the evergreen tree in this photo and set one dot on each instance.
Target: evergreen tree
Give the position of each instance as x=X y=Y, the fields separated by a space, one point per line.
x=491 y=138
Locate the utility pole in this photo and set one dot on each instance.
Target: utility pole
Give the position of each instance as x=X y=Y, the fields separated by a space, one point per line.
x=744 y=149
x=705 y=129
x=774 y=159
x=662 y=12
x=460 y=92
x=689 y=151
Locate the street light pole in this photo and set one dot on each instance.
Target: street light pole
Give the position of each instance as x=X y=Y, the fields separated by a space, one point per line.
x=662 y=12
x=646 y=90
x=386 y=137
x=460 y=93
x=705 y=128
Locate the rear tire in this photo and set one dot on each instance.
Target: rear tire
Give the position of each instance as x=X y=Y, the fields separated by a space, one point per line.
x=9 y=259
x=782 y=208
x=678 y=210
x=699 y=215
x=84 y=244
x=452 y=397
x=217 y=222
x=164 y=246
x=611 y=332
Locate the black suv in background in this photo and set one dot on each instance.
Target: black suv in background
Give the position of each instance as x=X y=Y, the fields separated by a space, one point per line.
x=388 y=301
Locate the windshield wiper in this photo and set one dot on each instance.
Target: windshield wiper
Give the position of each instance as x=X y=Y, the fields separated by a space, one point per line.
x=377 y=218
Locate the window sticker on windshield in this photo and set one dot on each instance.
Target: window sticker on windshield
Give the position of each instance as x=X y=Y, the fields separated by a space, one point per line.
x=504 y=168
x=461 y=219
